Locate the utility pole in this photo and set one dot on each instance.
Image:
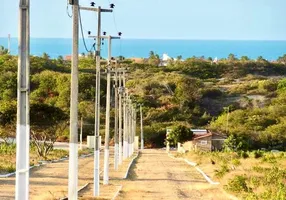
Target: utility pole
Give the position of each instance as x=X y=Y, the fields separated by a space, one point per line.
x=107 y=118
x=23 y=104
x=99 y=10
x=125 y=119
x=141 y=120
x=130 y=127
x=97 y=109
x=135 y=126
x=81 y=126
x=116 y=134
x=9 y=43
x=120 y=119
x=73 y=146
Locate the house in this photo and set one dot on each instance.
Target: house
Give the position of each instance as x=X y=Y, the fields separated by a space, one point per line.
x=209 y=142
x=205 y=142
x=199 y=132
x=138 y=60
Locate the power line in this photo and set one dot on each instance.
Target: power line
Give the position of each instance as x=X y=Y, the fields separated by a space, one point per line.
x=82 y=34
x=67 y=10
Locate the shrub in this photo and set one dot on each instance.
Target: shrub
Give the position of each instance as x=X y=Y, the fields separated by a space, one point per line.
x=238 y=184
x=222 y=171
x=179 y=134
x=243 y=154
x=236 y=162
x=8 y=149
x=258 y=154
x=270 y=158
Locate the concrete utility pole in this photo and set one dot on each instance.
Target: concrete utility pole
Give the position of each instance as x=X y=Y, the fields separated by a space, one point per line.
x=99 y=10
x=81 y=126
x=107 y=118
x=130 y=127
x=135 y=126
x=125 y=119
x=120 y=119
x=142 y=135
x=23 y=105
x=116 y=134
x=9 y=43
x=73 y=146
x=97 y=109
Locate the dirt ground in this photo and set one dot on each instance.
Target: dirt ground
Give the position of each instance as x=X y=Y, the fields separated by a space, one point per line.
x=153 y=175
x=50 y=181
x=157 y=176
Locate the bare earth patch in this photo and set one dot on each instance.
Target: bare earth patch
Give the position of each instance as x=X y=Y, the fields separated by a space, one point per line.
x=156 y=176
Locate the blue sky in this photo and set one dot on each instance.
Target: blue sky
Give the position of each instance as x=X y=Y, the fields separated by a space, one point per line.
x=165 y=19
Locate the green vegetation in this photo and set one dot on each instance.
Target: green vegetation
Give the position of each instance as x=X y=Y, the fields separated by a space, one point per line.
x=258 y=176
x=179 y=134
x=239 y=97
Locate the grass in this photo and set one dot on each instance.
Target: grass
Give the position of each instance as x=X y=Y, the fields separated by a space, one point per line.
x=255 y=175
x=8 y=157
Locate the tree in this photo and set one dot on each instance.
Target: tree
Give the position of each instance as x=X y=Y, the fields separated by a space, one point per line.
x=179 y=58
x=244 y=58
x=154 y=59
x=179 y=134
x=282 y=59
x=7 y=120
x=231 y=57
x=260 y=59
x=187 y=91
x=151 y=54
x=3 y=50
x=47 y=124
x=235 y=143
x=46 y=56
x=275 y=135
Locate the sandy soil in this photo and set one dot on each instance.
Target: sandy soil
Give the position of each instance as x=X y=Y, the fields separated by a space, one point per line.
x=50 y=181
x=153 y=175
x=157 y=176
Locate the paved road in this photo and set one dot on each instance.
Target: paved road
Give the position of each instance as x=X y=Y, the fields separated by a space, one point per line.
x=157 y=176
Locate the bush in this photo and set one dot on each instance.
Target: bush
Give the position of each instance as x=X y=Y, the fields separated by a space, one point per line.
x=243 y=154
x=222 y=171
x=238 y=184
x=179 y=134
x=236 y=162
x=8 y=149
x=258 y=154
x=269 y=157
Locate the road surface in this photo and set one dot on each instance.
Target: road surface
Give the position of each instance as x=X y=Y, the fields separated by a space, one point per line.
x=154 y=175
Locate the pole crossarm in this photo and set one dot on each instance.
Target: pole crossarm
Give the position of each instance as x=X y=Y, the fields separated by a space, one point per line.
x=105 y=37
x=95 y=9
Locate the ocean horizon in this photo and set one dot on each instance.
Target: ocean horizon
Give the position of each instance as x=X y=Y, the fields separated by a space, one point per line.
x=140 y=48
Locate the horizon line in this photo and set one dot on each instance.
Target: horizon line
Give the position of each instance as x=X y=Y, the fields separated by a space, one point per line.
x=190 y=39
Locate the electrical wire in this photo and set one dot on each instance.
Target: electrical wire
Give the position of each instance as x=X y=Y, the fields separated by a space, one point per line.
x=68 y=13
x=81 y=28
x=115 y=24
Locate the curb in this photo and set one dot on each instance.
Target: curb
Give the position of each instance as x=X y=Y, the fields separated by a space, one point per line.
x=130 y=164
x=82 y=188
x=117 y=193
x=197 y=168
x=44 y=163
x=125 y=177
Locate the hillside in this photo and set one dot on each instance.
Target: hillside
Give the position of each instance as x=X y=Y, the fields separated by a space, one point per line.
x=196 y=92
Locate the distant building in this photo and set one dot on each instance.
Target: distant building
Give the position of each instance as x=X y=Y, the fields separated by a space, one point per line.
x=165 y=59
x=199 y=132
x=138 y=60
x=209 y=142
x=205 y=142
x=68 y=57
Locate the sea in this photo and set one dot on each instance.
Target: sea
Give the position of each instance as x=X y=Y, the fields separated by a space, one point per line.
x=140 y=48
